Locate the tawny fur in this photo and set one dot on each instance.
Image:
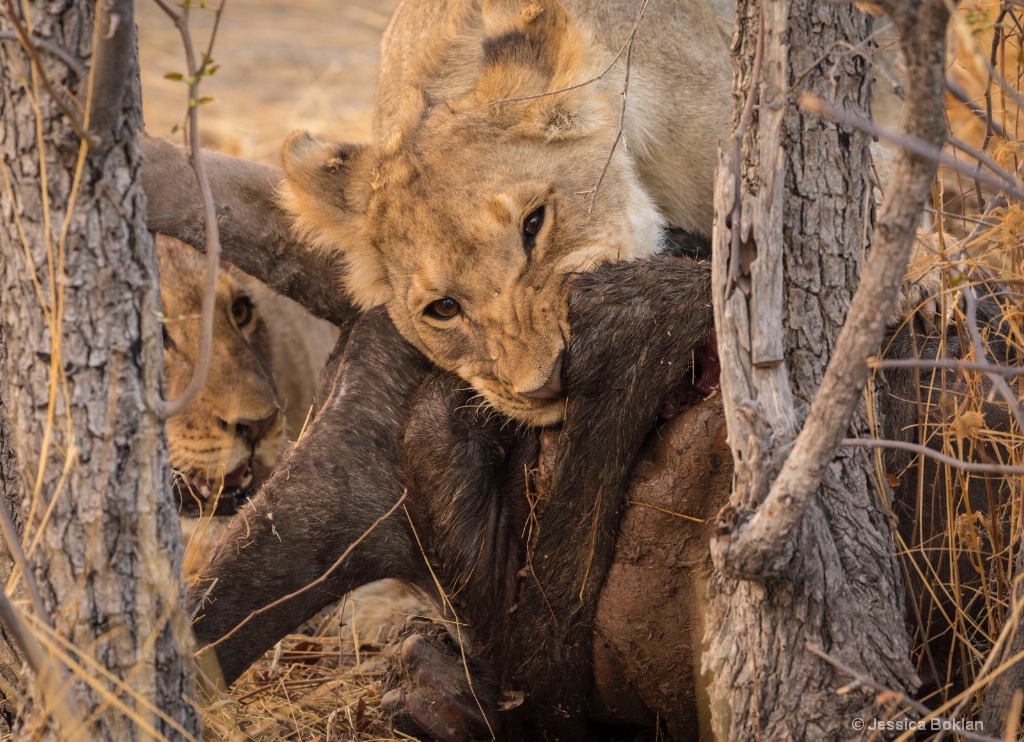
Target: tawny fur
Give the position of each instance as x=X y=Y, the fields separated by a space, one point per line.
x=265 y=362
x=434 y=207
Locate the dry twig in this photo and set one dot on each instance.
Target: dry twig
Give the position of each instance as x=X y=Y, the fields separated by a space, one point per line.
x=169 y=408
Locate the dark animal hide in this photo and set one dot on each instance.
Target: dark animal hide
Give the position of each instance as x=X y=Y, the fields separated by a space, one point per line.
x=467 y=482
x=522 y=566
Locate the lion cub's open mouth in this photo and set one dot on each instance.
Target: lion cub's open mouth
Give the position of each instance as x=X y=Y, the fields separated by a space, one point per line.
x=195 y=493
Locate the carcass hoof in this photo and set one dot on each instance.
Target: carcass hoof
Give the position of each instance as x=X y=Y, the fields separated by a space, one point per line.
x=426 y=690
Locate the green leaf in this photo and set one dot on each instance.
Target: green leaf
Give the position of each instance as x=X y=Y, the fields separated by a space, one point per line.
x=174 y=76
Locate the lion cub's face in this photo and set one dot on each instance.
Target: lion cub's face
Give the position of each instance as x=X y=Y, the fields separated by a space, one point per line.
x=469 y=221
x=232 y=434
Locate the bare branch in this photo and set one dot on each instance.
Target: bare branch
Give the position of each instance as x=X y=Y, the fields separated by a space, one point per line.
x=933 y=454
x=622 y=111
x=622 y=50
x=998 y=382
x=18 y=554
x=29 y=47
x=45 y=667
x=814 y=104
x=169 y=408
x=947 y=363
x=73 y=63
x=958 y=93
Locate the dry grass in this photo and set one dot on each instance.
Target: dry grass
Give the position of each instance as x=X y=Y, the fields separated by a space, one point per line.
x=970 y=569
x=321 y=684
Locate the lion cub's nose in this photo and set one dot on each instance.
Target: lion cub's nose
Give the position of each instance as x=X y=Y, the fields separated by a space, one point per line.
x=251 y=431
x=552 y=388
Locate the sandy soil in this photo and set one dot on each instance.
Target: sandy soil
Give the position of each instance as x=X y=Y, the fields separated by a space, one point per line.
x=286 y=65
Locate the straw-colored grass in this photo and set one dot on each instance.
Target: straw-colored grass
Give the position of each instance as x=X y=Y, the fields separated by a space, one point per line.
x=320 y=684
x=979 y=548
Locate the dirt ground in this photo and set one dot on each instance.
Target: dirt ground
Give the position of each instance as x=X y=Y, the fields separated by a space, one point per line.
x=294 y=64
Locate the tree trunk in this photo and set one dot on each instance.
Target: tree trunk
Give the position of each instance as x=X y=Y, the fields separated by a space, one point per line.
x=10 y=662
x=800 y=568
x=100 y=528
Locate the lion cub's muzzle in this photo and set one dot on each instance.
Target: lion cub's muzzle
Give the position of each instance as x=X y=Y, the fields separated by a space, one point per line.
x=553 y=388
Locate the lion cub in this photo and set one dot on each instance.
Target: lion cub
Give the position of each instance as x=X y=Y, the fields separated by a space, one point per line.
x=504 y=162
x=267 y=356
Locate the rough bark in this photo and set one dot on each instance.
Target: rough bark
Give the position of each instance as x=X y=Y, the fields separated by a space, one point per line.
x=93 y=474
x=10 y=661
x=814 y=564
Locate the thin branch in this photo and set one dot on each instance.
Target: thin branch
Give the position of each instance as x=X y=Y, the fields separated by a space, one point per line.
x=622 y=50
x=169 y=408
x=622 y=111
x=947 y=363
x=44 y=667
x=318 y=581
x=998 y=382
x=930 y=453
x=817 y=105
x=73 y=63
x=981 y=156
x=897 y=87
x=18 y=554
x=1008 y=89
x=864 y=680
x=960 y=217
x=958 y=93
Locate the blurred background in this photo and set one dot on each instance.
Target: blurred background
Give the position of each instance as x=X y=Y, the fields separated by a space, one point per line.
x=300 y=64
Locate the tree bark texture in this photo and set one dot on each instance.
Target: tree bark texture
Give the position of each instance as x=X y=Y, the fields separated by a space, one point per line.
x=10 y=661
x=79 y=310
x=786 y=263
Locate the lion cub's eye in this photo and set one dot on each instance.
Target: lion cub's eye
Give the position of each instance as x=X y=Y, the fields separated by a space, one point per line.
x=531 y=228
x=241 y=312
x=445 y=308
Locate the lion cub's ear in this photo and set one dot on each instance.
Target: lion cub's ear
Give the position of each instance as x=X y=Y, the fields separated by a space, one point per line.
x=532 y=47
x=326 y=190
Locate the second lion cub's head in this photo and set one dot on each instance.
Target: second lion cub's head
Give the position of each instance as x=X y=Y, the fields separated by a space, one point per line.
x=477 y=203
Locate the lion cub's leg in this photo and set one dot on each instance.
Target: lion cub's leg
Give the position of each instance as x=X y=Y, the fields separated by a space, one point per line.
x=333 y=485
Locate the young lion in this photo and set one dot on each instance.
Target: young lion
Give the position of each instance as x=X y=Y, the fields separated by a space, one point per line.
x=506 y=160
x=267 y=354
